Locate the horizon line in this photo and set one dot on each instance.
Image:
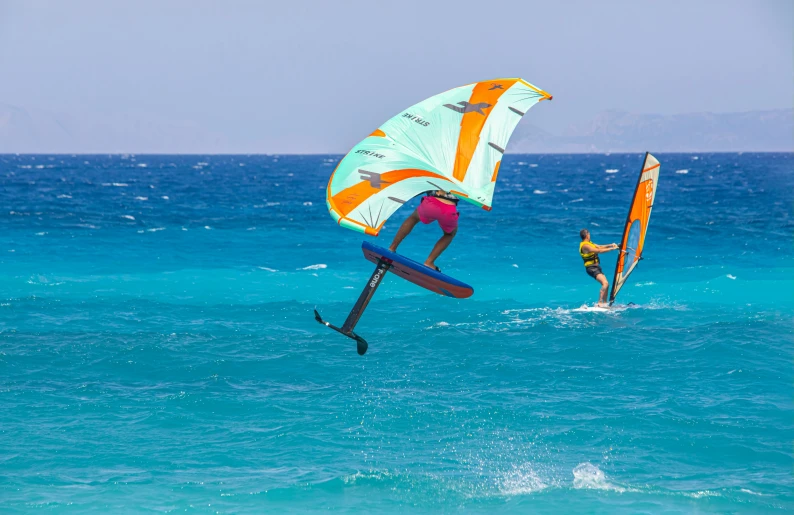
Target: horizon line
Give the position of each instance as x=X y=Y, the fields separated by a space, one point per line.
x=791 y=151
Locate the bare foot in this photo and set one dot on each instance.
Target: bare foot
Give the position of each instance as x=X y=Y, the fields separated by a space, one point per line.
x=431 y=265
x=602 y=305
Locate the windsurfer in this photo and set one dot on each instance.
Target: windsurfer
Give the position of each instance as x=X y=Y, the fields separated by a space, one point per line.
x=589 y=252
x=436 y=206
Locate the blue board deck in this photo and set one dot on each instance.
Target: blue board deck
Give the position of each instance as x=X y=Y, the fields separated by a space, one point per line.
x=418 y=273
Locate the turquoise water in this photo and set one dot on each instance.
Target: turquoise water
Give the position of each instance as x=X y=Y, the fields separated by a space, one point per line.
x=158 y=351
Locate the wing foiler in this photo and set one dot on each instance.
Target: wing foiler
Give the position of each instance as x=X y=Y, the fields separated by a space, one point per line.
x=633 y=241
x=453 y=141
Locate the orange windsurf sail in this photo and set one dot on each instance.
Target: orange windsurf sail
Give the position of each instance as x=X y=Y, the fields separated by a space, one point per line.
x=633 y=241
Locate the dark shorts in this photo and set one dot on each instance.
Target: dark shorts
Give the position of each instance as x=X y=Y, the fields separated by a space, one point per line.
x=593 y=271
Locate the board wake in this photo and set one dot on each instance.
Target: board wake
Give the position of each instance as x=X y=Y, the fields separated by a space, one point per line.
x=611 y=309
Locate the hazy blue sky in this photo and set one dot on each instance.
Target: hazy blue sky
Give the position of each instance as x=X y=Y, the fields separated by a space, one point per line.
x=318 y=76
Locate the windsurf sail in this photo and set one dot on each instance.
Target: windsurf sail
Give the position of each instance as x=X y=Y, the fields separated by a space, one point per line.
x=453 y=141
x=633 y=241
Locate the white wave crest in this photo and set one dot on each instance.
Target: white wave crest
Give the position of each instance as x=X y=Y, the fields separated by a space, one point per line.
x=747 y=491
x=612 y=170
x=682 y=172
x=539 y=192
x=319 y=266
x=588 y=476
x=40 y=280
x=702 y=493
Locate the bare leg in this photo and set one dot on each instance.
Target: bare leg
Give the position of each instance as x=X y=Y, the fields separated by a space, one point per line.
x=441 y=246
x=602 y=298
x=407 y=226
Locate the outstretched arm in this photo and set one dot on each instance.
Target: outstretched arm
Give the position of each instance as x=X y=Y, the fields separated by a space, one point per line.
x=607 y=248
x=598 y=249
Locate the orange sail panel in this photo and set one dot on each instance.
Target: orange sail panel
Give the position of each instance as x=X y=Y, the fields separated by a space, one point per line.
x=633 y=242
x=483 y=98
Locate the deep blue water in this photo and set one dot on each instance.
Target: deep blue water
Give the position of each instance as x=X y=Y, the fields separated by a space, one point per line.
x=158 y=351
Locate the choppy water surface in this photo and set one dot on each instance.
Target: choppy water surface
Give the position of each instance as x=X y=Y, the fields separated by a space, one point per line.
x=158 y=351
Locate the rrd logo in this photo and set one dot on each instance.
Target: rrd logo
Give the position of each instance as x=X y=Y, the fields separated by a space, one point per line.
x=649 y=190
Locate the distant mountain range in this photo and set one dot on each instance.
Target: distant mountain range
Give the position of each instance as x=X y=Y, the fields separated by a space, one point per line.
x=619 y=131
x=38 y=131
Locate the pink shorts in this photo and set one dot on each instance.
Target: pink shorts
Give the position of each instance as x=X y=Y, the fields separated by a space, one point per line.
x=433 y=210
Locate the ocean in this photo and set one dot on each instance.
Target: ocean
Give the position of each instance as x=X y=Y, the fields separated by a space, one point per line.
x=158 y=351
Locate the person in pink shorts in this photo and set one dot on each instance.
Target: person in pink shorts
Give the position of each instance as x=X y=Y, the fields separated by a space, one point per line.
x=437 y=206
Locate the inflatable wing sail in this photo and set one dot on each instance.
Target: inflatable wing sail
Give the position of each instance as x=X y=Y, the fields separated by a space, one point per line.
x=633 y=241
x=453 y=141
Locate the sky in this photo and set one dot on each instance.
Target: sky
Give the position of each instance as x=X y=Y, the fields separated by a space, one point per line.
x=318 y=76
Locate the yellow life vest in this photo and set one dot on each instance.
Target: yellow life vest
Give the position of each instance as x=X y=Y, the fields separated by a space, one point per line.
x=591 y=258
